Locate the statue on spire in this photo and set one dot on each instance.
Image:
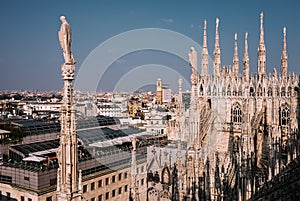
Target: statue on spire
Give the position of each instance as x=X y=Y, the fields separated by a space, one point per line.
x=64 y=36
x=193 y=63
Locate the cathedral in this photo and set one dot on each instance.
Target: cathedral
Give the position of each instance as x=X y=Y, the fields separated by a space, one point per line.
x=241 y=130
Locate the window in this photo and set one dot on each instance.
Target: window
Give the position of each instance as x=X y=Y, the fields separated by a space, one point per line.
x=251 y=91
x=270 y=92
x=49 y=198
x=8 y=195
x=100 y=197
x=236 y=114
x=99 y=183
x=120 y=190
x=107 y=195
x=5 y=179
x=137 y=170
x=113 y=193
x=142 y=182
x=26 y=178
x=29 y=199
x=93 y=199
x=92 y=186
x=125 y=188
x=113 y=179
x=107 y=181
x=282 y=91
x=285 y=115
x=125 y=175
x=84 y=188
x=120 y=176
x=53 y=182
x=142 y=169
x=23 y=199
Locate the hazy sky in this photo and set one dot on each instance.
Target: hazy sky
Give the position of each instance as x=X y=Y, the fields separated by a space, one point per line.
x=30 y=54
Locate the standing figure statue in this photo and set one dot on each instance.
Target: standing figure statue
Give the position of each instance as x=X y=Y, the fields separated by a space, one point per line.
x=193 y=63
x=64 y=36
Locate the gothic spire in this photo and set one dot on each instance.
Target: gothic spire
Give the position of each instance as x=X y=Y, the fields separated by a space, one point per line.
x=235 y=57
x=261 y=61
x=179 y=99
x=204 y=53
x=217 y=52
x=284 y=56
x=246 y=59
x=68 y=174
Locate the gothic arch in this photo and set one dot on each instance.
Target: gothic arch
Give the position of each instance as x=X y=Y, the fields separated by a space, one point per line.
x=236 y=113
x=235 y=91
x=228 y=90
x=215 y=91
x=285 y=115
x=289 y=91
x=259 y=91
x=270 y=92
x=240 y=93
x=252 y=91
x=283 y=91
x=201 y=89
x=165 y=176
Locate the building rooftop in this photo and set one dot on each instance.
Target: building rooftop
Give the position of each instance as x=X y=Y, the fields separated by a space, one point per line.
x=34 y=127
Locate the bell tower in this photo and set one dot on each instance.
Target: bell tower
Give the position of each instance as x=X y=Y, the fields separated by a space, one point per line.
x=159 y=91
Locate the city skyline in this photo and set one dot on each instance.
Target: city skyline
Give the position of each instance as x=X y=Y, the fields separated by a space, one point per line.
x=30 y=56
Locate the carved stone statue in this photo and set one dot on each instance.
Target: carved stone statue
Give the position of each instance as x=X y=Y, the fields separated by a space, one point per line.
x=64 y=36
x=193 y=60
x=275 y=73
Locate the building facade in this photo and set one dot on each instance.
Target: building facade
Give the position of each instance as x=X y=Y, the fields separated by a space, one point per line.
x=241 y=130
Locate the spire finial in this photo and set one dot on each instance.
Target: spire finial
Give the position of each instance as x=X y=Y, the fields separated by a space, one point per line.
x=261 y=27
x=204 y=52
x=235 y=57
x=180 y=84
x=246 y=59
x=261 y=18
x=217 y=52
x=284 y=56
x=261 y=61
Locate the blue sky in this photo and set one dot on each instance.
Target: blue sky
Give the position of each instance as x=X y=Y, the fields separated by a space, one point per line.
x=30 y=55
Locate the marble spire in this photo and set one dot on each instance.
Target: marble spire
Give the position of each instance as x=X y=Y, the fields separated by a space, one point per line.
x=235 y=57
x=68 y=175
x=261 y=52
x=217 y=52
x=246 y=59
x=204 y=53
x=284 y=56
